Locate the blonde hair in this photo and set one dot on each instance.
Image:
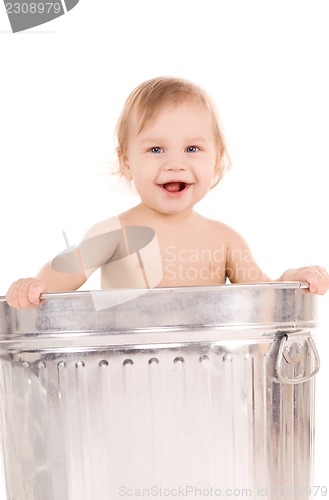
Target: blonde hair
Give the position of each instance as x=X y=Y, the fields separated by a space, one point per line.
x=150 y=97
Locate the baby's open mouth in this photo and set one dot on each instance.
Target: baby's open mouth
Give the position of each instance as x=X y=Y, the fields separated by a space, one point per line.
x=175 y=187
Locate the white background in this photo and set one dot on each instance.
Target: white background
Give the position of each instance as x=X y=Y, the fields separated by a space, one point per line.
x=266 y=66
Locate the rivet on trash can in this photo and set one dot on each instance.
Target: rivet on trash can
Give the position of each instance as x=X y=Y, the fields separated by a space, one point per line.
x=79 y=364
x=227 y=357
x=203 y=358
x=179 y=359
x=128 y=362
x=153 y=360
x=103 y=362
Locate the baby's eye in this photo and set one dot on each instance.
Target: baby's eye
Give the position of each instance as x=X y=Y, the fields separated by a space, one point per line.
x=156 y=150
x=192 y=149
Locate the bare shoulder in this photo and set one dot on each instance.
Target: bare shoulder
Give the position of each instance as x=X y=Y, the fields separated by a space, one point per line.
x=103 y=227
x=233 y=238
x=225 y=232
x=115 y=222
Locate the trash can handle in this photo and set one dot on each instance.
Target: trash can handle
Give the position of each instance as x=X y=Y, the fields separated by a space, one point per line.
x=297 y=380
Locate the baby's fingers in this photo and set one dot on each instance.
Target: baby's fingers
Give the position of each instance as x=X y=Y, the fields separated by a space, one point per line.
x=34 y=292
x=318 y=279
x=25 y=293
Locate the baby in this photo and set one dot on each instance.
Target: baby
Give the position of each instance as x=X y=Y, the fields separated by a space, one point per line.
x=169 y=143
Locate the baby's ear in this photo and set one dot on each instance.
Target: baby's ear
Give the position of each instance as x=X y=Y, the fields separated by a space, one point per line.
x=124 y=164
x=218 y=165
x=218 y=169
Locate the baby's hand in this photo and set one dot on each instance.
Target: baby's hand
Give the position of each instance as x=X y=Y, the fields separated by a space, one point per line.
x=25 y=292
x=316 y=276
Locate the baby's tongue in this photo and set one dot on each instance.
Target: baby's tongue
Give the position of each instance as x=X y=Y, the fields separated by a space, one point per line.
x=173 y=187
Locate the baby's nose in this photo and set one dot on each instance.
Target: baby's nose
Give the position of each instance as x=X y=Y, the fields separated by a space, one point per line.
x=175 y=162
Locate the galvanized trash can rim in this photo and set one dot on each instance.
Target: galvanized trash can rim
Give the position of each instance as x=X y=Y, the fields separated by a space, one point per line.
x=160 y=314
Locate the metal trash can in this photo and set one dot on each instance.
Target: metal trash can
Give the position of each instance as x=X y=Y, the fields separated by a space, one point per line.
x=191 y=392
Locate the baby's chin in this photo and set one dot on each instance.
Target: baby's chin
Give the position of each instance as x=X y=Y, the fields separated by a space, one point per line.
x=159 y=212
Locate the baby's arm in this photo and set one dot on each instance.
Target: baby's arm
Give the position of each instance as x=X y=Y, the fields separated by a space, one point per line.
x=71 y=268
x=26 y=292
x=242 y=268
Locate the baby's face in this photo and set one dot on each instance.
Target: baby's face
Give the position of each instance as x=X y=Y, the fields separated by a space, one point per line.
x=173 y=162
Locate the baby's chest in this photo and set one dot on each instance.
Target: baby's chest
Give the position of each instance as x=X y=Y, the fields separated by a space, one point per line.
x=164 y=259
x=193 y=262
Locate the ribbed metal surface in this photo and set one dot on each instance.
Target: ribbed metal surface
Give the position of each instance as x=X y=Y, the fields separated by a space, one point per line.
x=170 y=417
